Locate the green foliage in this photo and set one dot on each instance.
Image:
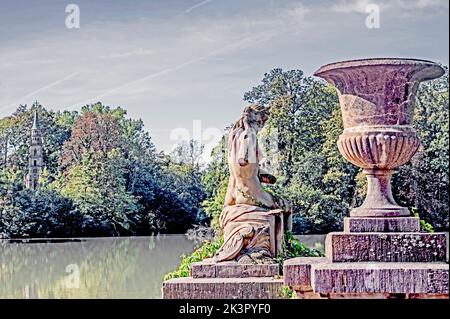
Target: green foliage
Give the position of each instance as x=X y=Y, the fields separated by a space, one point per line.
x=213 y=207
x=292 y=248
x=33 y=214
x=207 y=250
x=287 y=293
x=102 y=178
x=424 y=181
x=424 y=226
x=304 y=125
x=323 y=187
x=215 y=183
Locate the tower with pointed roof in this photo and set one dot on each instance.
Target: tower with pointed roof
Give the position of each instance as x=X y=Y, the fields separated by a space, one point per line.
x=36 y=159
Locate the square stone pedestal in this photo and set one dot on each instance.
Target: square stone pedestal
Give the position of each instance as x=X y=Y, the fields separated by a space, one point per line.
x=226 y=280
x=222 y=288
x=374 y=258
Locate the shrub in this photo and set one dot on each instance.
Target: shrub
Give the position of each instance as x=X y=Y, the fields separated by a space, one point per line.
x=292 y=248
x=207 y=250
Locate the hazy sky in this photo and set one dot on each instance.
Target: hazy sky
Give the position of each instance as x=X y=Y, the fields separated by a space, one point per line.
x=173 y=62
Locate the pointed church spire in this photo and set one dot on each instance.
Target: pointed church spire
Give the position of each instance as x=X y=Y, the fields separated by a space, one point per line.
x=36 y=123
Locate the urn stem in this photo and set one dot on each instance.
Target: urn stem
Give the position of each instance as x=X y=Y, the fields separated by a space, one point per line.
x=379 y=201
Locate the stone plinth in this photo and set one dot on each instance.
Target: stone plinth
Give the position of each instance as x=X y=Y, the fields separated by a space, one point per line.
x=297 y=272
x=401 y=278
x=377 y=224
x=222 y=288
x=386 y=247
x=231 y=269
x=226 y=280
x=366 y=280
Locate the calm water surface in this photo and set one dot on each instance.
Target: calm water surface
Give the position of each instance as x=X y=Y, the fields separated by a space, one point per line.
x=130 y=267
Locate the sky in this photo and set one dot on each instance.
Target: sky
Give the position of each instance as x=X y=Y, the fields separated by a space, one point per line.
x=183 y=66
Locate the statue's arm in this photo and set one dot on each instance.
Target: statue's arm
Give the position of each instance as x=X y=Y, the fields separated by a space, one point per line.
x=230 y=198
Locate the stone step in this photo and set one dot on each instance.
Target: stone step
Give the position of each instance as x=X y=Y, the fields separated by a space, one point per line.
x=381 y=224
x=367 y=278
x=229 y=269
x=222 y=288
x=386 y=247
x=297 y=272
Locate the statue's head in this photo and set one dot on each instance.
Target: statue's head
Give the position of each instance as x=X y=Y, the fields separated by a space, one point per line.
x=253 y=116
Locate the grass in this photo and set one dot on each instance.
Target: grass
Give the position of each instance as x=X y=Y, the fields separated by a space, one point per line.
x=207 y=250
x=292 y=248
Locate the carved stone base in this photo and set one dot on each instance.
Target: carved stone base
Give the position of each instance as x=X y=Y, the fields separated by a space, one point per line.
x=226 y=280
x=386 y=247
x=380 y=212
x=297 y=272
x=400 y=278
x=231 y=269
x=387 y=296
x=222 y=288
x=321 y=278
x=377 y=224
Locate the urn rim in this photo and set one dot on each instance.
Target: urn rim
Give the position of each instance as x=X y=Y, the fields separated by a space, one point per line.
x=435 y=68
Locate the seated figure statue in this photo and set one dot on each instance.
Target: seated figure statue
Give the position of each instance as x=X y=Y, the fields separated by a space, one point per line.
x=252 y=220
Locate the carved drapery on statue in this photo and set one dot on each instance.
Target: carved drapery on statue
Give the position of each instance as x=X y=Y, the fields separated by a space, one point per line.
x=253 y=221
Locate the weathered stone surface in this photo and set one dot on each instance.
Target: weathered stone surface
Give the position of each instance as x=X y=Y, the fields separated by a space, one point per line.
x=427 y=296
x=229 y=269
x=308 y=295
x=386 y=247
x=376 y=92
x=394 y=278
x=253 y=221
x=377 y=103
x=222 y=288
x=365 y=296
x=297 y=272
x=381 y=224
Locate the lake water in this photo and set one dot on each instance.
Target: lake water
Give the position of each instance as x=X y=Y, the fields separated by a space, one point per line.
x=126 y=267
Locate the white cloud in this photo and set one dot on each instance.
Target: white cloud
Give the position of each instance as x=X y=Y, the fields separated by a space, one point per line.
x=139 y=52
x=432 y=3
x=359 y=6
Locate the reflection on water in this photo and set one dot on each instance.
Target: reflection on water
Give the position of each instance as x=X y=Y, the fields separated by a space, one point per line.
x=131 y=267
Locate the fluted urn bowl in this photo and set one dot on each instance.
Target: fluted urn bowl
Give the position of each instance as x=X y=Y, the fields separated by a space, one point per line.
x=377 y=99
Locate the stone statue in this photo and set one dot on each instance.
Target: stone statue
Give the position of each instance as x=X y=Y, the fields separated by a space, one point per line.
x=252 y=220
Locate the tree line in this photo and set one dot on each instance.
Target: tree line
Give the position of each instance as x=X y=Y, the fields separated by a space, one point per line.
x=104 y=177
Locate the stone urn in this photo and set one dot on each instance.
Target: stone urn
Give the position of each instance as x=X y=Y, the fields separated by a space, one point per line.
x=377 y=99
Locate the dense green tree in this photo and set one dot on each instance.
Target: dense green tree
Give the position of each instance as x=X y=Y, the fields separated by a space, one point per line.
x=24 y=213
x=301 y=148
x=423 y=183
x=215 y=181
x=300 y=144
x=103 y=173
